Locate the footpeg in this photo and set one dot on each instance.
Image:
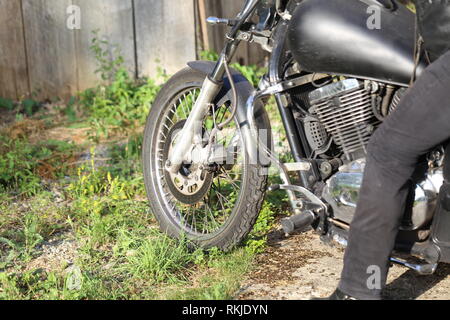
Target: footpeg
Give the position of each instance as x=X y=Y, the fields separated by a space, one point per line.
x=297 y=222
x=425 y=269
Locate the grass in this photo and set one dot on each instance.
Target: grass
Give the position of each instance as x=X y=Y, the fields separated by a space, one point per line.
x=24 y=164
x=117 y=251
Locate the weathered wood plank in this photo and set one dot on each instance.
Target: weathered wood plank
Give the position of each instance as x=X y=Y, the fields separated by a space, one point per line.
x=165 y=35
x=13 y=64
x=50 y=48
x=114 y=21
x=47 y=58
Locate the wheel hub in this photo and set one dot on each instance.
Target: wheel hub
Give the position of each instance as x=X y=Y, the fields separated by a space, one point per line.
x=192 y=182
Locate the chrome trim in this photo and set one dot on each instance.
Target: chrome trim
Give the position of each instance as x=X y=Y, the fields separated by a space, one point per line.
x=289 y=84
x=217 y=21
x=284 y=175
x=191 y=133
x=422 y=269
x=298 y=166
x=342 y=193
x=306 y=193
x=267 y=90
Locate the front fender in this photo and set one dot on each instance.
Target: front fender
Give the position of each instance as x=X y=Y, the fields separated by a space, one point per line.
x=244 y=90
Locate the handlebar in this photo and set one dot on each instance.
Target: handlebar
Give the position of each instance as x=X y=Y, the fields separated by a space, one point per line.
x=247 y=10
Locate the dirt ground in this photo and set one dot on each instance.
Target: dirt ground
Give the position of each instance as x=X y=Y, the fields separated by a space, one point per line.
x=301 y=267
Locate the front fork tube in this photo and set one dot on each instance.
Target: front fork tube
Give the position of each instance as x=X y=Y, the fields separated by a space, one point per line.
x=192 y=130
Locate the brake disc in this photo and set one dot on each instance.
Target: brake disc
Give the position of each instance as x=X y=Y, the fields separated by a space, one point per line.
x=191 y=183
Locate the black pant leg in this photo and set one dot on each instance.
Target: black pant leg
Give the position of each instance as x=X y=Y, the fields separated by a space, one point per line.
x=421 y=122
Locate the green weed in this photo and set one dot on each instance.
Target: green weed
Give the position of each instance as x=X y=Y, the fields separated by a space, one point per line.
x=121 y=103
x=7 y=104
x=30 y=106
x=253 y=73
x=23 y=165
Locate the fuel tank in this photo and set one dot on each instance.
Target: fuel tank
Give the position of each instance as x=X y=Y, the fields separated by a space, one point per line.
x=358 y=38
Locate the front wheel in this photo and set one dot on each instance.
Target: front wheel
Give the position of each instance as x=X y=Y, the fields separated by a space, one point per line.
x=214 y=206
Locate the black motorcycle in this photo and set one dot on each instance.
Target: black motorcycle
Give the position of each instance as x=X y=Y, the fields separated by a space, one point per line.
x=335 y=79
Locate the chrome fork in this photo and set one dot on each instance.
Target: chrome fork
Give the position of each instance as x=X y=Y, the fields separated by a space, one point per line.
x=191 y=133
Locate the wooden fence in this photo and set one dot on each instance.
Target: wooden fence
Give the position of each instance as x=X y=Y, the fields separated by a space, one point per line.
x=44 y=44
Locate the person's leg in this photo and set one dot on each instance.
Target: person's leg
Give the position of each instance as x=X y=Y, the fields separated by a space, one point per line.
x=421 y=122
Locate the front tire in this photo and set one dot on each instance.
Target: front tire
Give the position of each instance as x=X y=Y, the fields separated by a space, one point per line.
x=231 y=195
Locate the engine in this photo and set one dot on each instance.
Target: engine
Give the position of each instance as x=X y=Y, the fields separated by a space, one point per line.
x=343 y=116
x=345 y=109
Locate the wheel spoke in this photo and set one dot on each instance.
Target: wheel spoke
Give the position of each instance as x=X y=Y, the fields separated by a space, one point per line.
x=209 y=213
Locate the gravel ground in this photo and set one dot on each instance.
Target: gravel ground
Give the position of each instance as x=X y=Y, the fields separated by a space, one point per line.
x=56 y=254
x=301 y=267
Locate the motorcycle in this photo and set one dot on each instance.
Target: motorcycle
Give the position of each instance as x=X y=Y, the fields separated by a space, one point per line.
x=208 y=144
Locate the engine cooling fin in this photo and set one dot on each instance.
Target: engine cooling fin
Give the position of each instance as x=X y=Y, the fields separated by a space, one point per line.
x=396 y=99
x=344 y=108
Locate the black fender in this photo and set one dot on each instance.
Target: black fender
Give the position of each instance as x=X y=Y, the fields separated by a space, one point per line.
x=244 y=90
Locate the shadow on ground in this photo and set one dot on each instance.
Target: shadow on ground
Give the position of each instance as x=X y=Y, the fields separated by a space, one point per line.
x=410 y=285
x=301 y=267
